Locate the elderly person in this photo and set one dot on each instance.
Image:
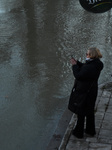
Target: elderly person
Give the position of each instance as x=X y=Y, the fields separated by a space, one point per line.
x=84 y=93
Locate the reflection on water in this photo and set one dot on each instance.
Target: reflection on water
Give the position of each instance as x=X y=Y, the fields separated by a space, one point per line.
x=36 y=41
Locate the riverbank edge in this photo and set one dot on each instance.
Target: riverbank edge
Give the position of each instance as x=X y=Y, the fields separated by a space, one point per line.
x=65 y=139
x=59 y=133
x=67 y=122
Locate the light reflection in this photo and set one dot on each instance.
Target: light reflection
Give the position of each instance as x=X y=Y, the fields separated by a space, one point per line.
x=2 y=7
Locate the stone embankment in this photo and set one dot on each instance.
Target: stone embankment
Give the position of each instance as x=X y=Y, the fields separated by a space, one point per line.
x=103 y=116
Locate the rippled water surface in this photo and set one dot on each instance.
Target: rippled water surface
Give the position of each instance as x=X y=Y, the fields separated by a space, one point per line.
x=37 y=38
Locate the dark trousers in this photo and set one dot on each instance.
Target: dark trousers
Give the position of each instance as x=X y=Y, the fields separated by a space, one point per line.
x=90 y=124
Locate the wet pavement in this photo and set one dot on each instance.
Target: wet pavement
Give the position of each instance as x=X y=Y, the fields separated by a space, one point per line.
x=103 y=115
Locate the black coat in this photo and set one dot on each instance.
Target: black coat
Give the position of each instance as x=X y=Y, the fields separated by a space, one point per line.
x=86 y=86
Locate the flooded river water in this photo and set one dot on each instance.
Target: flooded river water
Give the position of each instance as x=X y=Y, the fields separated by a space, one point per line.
x=37 y=38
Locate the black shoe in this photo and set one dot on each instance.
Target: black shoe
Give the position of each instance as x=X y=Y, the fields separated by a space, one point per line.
x=77 y=135
x=90 y=134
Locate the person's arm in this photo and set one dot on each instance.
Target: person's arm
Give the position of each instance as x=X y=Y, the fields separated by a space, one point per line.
x=74 y=62
x=80 y=64
x=85 y=72
x=81 y=71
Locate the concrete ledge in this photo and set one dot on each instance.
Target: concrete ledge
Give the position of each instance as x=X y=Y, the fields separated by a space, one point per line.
x=57 y=137
x=67 y=133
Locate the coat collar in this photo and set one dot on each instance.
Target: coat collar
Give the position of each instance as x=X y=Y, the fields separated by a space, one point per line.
x=91 y=60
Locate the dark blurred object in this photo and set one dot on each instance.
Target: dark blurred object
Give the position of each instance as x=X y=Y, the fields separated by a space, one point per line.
x=96 y=6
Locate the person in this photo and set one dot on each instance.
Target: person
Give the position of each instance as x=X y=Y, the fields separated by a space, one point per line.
x=84 y=92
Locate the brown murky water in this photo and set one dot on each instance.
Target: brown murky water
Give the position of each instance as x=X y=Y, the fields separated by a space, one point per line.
x=37 y=38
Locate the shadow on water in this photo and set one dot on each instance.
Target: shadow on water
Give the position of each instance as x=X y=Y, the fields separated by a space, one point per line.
x=31 y=45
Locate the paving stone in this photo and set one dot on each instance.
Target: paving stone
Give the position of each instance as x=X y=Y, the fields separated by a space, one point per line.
x=98 y=123
x=92 y=139
x=110 y=102
x=101 y=108
x=99 y=146
x=105 y=133
x=109 y=106
x=97 y=101
x=109 y=110
x=77 y=145
x=105 y=140
x=99 y=115
x=107 y=125
x=106 y=93
x=72 y=137
x=104 y=100
x=108 y=117
x=103 y=105
x=100 y=92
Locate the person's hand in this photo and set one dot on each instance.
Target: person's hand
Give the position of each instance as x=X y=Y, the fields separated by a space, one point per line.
x=73 y=61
